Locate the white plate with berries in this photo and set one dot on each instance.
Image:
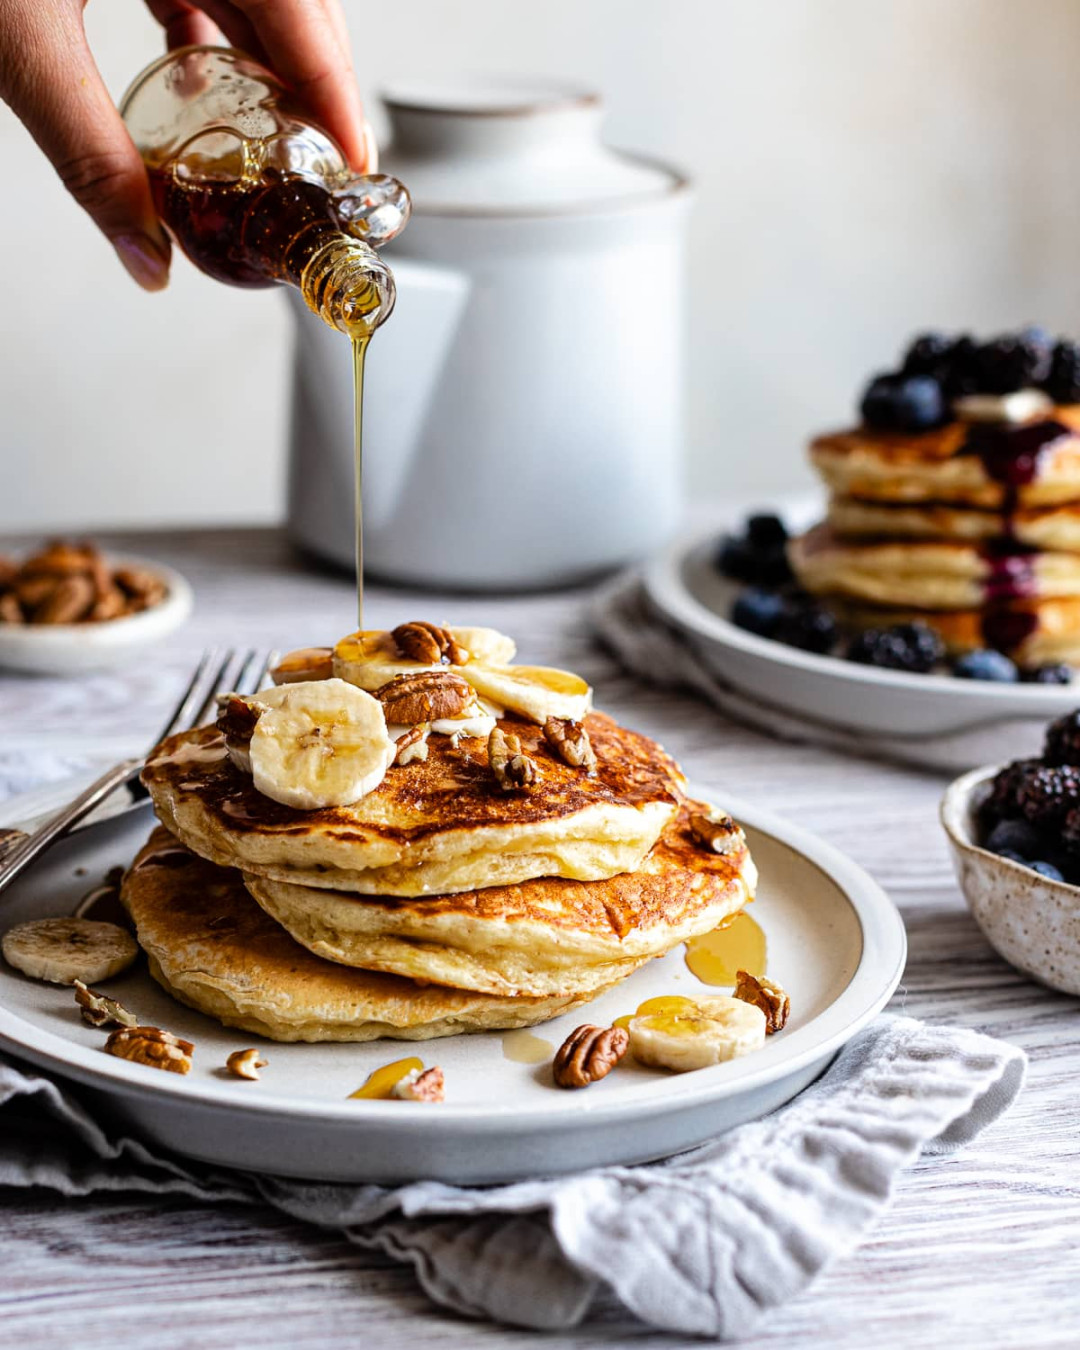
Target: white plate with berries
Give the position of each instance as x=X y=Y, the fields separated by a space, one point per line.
x=935 y=720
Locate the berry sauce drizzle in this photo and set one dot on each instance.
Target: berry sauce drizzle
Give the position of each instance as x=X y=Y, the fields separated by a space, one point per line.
x=1011 y=456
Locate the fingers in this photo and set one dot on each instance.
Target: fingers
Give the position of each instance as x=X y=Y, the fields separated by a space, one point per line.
x=56 y=91
x=184 y=24
x=303 y=43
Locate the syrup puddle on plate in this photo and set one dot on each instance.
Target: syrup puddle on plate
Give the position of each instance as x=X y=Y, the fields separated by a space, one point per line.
x=716 y=957
x=525 y=1048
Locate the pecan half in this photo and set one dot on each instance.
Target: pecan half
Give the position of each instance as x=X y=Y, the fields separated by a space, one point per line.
x=10 y=609
x=429 y=1086
x=61 y=560
x=571 y=743
x=424 y=697
x=413 y=745
x=100 y=1011
x=151 y=1046
x=111 y=603
x=142 y=588
x=588 y=1054
x=509 y=763
x=429 y=643
x=246 y=1064
x=717 y=831
x=70 y=601
x=766 y=995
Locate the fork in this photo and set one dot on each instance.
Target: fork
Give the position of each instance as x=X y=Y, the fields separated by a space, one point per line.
x=215 y=674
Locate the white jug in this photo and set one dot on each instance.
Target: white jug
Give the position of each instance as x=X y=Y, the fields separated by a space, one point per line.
x=522 y=406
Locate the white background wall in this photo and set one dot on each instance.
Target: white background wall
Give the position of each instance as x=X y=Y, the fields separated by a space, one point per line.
x=864 y=168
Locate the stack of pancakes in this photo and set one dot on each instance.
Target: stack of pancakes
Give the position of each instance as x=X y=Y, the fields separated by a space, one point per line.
x=972 y=526
x=442 y=901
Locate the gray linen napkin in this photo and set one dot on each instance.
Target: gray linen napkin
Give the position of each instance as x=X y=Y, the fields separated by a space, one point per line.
x=644 y=644
x=704 y=1243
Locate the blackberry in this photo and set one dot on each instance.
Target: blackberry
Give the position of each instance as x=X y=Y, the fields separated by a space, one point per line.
x=903 y=403
x=1062 y=743
x=912 y=647
x=737 y=560
x=1012 y=361
x=808 y=626
x=928 y=355
x=1003 y=803
x=1063 y=382
x=986 y=664
x=1049 y=793
x=757 y=611
x=962 y=368
x=1058 y=674
x=765 y=532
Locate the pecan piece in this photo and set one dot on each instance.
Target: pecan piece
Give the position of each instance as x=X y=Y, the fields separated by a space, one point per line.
x=429 y=643
x=237 y=716
x=717 y=831
x=151 y=1046
x=9 y=570
x=111 y=603
x=766 y=995
x=61 y=560
x=571 y=743
x=429 y=1086
x=246 y=1064
x=100 y=1011
x=10 y=609
x=69 y=602
x=509 y=763
x=413 y=745
x=424 y=697
x=142 y=587
x=588 y=1054
x=10 y=840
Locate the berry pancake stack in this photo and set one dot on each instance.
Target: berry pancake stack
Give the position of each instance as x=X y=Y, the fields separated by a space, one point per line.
x=956 y=502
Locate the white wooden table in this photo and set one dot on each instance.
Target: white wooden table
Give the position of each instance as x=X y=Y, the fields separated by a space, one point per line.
x=981 y=1249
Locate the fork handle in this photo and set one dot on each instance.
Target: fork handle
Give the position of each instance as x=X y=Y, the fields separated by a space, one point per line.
x=46 y=835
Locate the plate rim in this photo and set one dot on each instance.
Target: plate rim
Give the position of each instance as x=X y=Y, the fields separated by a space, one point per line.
x=661 y=576
x=878 y=972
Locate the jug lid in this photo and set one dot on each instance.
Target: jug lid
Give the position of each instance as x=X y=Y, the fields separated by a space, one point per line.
x=486 y=146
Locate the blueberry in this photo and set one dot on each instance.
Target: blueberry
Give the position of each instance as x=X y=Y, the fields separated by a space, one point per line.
x=773 y=568
x=914 y=647
x=904 y=403
x=1009 y=856
x=1014 y=836
x=1059 y=674
x=986 y=664
x=806 y=625
x=1047 y=870
x=757 y=611
x=962 y=368
x=766 y=532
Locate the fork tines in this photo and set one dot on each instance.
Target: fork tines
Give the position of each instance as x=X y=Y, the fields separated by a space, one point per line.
x=217 y=672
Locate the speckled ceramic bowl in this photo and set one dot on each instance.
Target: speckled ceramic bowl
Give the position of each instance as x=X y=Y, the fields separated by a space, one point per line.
x=1034 y=923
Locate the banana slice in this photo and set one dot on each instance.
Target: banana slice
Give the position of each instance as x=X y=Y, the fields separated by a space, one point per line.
x=535 y=692
x=708 y=1032
x=321 y=743
x=65 y=950
x=307 y=663
x=371 y=658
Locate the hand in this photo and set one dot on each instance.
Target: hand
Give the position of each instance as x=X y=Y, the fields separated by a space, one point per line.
x=49 y=79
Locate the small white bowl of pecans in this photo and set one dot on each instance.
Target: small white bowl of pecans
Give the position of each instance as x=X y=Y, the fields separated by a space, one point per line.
x=66 y=609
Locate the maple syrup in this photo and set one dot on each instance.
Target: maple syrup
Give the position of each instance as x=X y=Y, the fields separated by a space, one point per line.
x=672 y=1005
x=716 y=957
x=523 y=1047
x=380 y=1083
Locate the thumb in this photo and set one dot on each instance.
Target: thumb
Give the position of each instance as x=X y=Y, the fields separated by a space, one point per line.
x=57 y=92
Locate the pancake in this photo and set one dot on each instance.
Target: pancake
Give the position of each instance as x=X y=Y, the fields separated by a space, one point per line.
x=1034 y=465
x=929 y=574
x=1032 y=632
x=1053 y=529
x=211 y=946
x=432 y=827
x=544 y=936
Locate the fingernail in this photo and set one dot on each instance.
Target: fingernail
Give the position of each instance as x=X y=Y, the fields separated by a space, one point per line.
x=145 y=263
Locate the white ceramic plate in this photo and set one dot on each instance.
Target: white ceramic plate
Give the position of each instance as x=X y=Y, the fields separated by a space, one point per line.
x=76 y=648
x=932 y=720
x=835 y=942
